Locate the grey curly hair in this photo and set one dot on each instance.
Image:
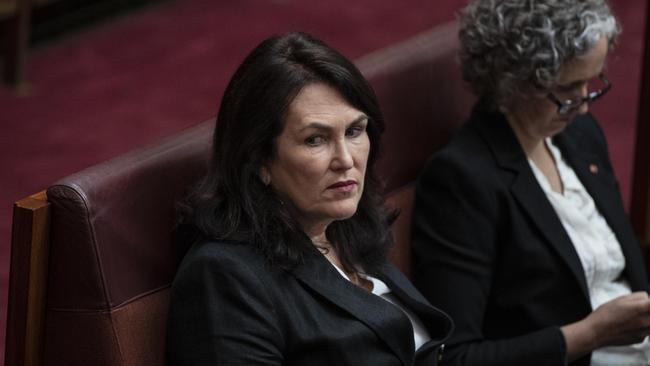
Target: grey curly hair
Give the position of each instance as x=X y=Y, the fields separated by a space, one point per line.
x=516 y=48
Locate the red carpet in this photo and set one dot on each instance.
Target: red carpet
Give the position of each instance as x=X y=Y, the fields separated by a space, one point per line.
x=132 y=80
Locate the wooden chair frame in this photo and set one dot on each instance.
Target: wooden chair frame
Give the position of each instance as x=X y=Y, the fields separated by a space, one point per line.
x=29 y=263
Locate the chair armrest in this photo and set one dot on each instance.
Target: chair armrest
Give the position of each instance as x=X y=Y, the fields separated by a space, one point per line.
x=28 y=280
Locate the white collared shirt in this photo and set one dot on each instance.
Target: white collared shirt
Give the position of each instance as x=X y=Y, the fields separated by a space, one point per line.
x=599 y=251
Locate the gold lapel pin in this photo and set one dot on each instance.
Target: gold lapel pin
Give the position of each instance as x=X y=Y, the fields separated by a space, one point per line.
x=593 y=168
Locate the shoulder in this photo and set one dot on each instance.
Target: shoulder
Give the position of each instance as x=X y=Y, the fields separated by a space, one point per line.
x=466 y=165
x=585 y=136
x=585 y=127
x=224 y=254
x=210 y=262
x=466 y=177
x=223 y=308
x=468 y=152
x=220 y=251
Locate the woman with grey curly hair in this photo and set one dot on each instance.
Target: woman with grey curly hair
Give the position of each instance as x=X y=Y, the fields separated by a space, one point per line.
x=519 y=230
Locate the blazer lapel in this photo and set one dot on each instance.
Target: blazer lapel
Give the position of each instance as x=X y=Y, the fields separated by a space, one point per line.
x=438 y=324
x=602 y=188
x=602 y=191
x=319 y=275
x=527 y=191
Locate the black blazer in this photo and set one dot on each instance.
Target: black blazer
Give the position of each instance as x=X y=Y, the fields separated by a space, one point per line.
x=229 y=307
x=490 y=250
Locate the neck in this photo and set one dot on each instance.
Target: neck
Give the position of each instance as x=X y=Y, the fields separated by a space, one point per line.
x=320 y=239
x=323 y=245
x=316 y=234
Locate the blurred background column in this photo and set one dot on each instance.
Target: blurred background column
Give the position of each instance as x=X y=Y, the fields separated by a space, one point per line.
x=15 y=15
x=640 y=205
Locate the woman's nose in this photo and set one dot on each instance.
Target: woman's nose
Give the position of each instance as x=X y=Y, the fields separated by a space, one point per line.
x=342 y=159
x=584 y=108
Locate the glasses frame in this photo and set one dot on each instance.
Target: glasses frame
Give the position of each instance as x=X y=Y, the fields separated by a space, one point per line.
x=570 y=105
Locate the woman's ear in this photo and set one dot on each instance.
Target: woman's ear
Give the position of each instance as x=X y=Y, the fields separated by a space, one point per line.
x=265 y=176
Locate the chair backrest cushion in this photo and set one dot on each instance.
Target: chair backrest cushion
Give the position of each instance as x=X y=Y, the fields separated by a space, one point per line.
x=424 y=100
x=112 y=256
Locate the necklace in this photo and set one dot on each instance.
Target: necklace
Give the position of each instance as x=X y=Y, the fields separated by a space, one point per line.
x=325 y=247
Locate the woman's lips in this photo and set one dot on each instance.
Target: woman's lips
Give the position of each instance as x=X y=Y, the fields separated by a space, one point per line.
x=343 y=186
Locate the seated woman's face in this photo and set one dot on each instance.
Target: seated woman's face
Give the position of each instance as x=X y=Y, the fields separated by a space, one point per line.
x=321 y=156
x=539 y=118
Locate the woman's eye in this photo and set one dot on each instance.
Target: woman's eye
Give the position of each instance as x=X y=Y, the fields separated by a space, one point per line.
x=314 y=140
x=354 y=131
x=573 y=87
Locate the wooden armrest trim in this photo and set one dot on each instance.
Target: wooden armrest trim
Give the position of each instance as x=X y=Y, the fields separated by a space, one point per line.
x=27 y=280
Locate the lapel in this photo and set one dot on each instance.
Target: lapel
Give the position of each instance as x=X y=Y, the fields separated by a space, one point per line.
x=438 y=324
x=580 y=158
x=319 y=275
x=579 y=153
x=527 y=191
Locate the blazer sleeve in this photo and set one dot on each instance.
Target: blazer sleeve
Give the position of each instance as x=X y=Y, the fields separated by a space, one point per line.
x=221 y=313
x=455 y=245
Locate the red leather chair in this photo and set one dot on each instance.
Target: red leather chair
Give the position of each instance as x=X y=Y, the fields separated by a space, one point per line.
x=424 y=100
x=93 y=258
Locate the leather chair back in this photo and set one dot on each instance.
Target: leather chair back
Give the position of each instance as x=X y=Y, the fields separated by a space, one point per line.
x=424 y=100
x=112 y=256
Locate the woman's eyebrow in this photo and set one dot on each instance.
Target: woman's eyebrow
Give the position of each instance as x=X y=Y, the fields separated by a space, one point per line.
x=324 y=126
x=359 y=119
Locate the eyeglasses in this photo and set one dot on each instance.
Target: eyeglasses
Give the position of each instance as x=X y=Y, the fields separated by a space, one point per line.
x=570 y=105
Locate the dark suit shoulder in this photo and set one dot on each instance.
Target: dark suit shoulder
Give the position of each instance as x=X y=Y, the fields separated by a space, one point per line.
x=221 y=267
x=464 y=169
x=584 y=137
x=223 y=308
x=467 y=152
x=466 y=143
x=223 y=252
x=585 y=129
x=228 y=262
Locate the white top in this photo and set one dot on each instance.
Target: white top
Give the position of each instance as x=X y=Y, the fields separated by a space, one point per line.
x=599 y=251
x=379 y=288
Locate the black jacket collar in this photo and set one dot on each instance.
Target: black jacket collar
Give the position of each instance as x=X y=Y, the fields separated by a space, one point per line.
x=319 y=275
x=587 y=155
x=509 y=155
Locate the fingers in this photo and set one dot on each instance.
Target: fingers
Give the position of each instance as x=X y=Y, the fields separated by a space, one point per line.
x=623 y=320
x=639 y=295
x=639 y=300
x=637 y=305
x=640 y=304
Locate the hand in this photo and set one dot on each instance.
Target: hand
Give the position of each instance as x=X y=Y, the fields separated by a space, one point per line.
x=621 y=321
x=624 y=320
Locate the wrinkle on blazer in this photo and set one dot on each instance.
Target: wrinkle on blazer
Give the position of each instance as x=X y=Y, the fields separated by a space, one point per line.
x=230 y=307
x=490 y=250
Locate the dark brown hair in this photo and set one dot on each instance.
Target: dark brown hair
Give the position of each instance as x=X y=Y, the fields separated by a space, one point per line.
x=231 y=203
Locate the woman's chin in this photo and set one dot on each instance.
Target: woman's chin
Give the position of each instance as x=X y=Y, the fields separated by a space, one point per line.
x=343 y=213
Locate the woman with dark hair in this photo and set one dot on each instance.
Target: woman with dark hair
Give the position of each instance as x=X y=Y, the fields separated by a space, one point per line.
x=519 y=229
x=288 y=263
